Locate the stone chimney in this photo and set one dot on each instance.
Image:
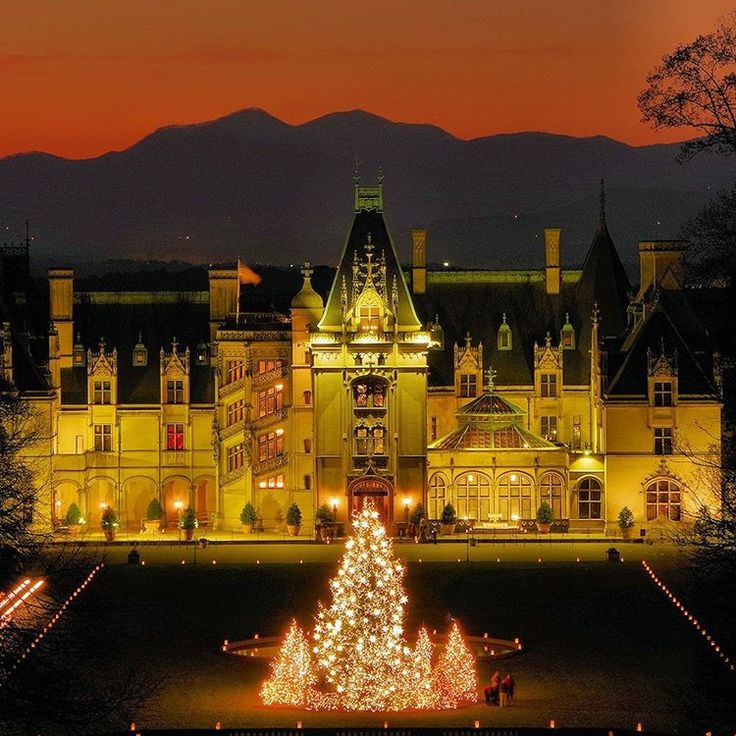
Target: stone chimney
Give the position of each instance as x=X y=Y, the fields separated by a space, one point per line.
x=61 y=306
x=552 y=259
x=660 y=265
x=419 y=261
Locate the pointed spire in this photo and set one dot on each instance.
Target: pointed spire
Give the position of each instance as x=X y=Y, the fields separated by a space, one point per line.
x=602 y=214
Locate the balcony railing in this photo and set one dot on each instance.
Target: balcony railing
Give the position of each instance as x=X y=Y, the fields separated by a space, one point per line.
x=273 y=375
x=268 y=466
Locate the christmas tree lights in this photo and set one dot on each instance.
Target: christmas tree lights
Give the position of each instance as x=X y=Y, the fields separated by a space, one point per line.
x=359 y=654
x=456 y=681
x=292 y=671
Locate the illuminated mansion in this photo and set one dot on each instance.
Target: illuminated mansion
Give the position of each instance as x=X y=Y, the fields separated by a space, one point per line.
x=493 y=390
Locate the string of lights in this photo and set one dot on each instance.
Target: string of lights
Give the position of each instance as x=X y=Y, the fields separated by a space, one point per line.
x=680 y=606
x=59 y=613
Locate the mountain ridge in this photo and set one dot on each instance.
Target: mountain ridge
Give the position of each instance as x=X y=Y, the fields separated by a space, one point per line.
x=250 y=184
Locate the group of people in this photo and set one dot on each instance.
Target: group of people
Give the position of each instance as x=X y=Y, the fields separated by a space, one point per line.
x=498 y=691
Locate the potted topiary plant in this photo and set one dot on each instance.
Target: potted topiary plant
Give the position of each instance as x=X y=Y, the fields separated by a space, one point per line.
x=544 y=518
x=74 y=520
x=449 y=517
x=110 y=522
x=248 y=518
x=293 y=520
x=188 y=522
x=626 y=522
x=324 y=522
x=154 y=514
x=417 y=514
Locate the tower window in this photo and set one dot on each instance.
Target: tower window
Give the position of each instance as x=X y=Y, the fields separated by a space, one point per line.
x=174 y=436
x=103 y=437
x=368 y=317
x=235 y=370
x=175 y=392
x=270 y=401
x=102 y=392
x=548 y=427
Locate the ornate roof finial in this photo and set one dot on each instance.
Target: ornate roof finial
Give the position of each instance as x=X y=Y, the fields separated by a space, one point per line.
x=174 y=344
x=602 y=215
x=356 y=172
x=548 y=340
x=102 y=346
x=467 y=339
x=307 y=270
x=595 y=315
x=380 y=175
x=491 y=379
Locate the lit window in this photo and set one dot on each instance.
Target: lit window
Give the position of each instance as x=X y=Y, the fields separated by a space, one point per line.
x=270 y=445
x=174 y=436
x=368 y=317
x=549 y=385
x=264 y=366
x=663 y=441
x=515 y=496
x=235 y=370
x=473 y=495
x=275 y=481
x=270 y=401
x=103 y=437
x=175 y=392
x=468 y=385
x=577 y=441
x=437 y=489
x=361 y=440
x=664 y=499
x=663 y=394
x=102 y=392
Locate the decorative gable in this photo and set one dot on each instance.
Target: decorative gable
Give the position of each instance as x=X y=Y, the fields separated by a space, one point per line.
x=102 y=363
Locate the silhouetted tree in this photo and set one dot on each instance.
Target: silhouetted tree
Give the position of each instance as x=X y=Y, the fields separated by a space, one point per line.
x=695 y=87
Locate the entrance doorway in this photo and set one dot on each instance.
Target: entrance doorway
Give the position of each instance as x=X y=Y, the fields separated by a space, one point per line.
x=374 y=490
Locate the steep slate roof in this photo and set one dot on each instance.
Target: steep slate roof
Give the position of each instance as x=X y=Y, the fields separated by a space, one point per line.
x=475 y=302
x=158 y=318
x=628 y=369
x=368 y=223
x=604 y=281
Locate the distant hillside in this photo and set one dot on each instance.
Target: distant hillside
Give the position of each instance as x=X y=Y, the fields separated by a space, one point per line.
x=250 y=185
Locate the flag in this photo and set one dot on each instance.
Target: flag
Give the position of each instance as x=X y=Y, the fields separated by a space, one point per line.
x=247 y=275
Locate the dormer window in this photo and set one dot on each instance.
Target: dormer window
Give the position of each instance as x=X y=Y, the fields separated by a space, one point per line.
x=201 y=354
x=175 y=392
x=663 y=393
x=102 y=392
x=78 y=353
x=504 y=336
x=567 y=335
x=468 y=386
x=140 y=353
x=368 y=318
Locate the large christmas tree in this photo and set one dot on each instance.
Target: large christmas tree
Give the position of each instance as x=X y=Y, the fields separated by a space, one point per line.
x=359 y=639
x=360 y=657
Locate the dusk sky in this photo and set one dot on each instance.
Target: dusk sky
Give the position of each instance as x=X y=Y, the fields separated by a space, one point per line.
x=81 y=78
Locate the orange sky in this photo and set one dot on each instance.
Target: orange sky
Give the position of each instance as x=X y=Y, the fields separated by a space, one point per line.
x=80 y=78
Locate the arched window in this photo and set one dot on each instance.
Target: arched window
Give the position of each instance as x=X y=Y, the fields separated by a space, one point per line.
x=552 y=490
x=515 y=496
x=590 y=499
x=664 y=499
x=473 y=492
x=437 y=488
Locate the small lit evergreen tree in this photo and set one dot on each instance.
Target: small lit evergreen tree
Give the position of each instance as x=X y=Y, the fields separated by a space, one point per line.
x=456 y=680
x=292 y=671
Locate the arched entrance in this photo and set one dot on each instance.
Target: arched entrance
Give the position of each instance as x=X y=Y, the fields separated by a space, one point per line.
x=376 y=489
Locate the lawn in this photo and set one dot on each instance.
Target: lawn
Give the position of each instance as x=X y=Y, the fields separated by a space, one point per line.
x=603 y=647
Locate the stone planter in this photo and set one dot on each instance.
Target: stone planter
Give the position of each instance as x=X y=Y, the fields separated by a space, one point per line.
x=627 y=532
x=249 y=528
x=152 y=526
x=75 y=530
x=293 y=530
x=446 y=529
x=109 y=535
x=543 y=527
x=189 y=534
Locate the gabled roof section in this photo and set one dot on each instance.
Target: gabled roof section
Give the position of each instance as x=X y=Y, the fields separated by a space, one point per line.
x=368 y=229
x=659 y=335
x=472 y=437
x=604 y=280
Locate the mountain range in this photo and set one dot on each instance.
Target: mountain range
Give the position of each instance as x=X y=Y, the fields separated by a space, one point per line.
x=250 y=185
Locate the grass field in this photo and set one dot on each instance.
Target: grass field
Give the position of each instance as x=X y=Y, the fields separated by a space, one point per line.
x=603 y=647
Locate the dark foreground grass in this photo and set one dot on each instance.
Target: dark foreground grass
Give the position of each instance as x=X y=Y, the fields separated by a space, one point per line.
x=602 y=645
